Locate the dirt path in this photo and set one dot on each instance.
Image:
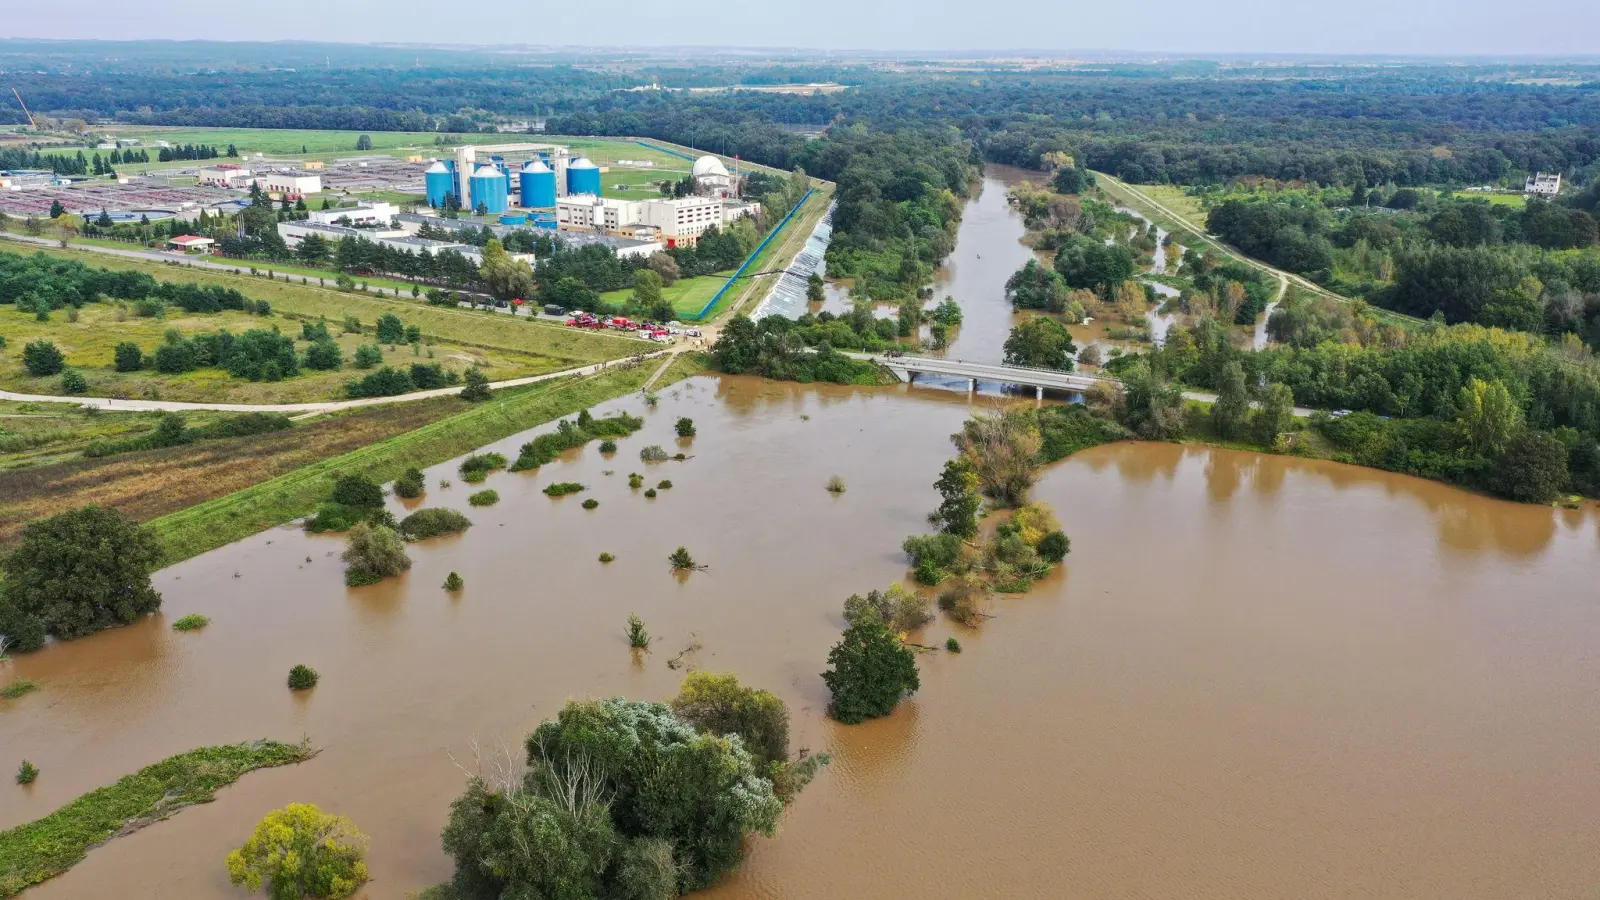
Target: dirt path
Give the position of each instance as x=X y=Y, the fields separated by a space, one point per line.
x=1283 y=277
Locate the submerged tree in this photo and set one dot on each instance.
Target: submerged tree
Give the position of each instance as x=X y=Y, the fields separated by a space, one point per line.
x=870 y=670
x=959 y=501
x=373 y=553
x=621 y=798
x=900 y=610
x=76 y=573
x=301 y=852
x=1003 y=452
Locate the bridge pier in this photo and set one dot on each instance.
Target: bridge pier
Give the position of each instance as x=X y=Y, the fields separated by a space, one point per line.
x=1038 y=393
x=972 y=385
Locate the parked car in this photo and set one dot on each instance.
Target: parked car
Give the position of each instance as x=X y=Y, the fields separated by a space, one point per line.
x=551 y=309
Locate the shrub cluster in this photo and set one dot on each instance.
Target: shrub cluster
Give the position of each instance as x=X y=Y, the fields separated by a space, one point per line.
x=432 y=522
x=562 y=488
x=409 y=485
x=484 y=498
x=303 y=678
x=475 y=468
x=568 y=435
x=172 y=430
x=389 y=381
x=191 y=622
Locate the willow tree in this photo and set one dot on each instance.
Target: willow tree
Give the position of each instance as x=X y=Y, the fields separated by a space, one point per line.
x=504 y=277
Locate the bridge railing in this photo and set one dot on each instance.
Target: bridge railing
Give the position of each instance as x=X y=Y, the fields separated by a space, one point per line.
x=902 y=360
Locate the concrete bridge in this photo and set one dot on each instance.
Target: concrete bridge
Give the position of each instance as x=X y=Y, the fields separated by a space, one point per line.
x=909 y=367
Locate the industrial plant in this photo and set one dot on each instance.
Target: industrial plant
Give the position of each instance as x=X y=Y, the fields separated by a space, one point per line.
x=503 y=187
x=545 y=186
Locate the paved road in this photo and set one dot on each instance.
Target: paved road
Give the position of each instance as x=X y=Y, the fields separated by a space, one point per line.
x=310 y=408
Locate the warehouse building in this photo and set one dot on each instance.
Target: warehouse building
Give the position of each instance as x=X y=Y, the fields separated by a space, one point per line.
x=294 y=184
x=366 y=214
x=225 y=175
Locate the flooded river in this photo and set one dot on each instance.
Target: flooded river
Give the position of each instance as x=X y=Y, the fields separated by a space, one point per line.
x=1257 y=677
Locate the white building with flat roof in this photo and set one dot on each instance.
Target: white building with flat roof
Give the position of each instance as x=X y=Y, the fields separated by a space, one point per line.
x=293 y=184
x=683 y=220
x=225 y=175
x=378 y=213
x=586 y=212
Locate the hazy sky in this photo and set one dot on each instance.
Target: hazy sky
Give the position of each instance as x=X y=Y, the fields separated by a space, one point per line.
x=1447 y=27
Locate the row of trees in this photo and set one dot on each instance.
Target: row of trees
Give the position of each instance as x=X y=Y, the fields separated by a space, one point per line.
x=1481 y=407
x=57 y=283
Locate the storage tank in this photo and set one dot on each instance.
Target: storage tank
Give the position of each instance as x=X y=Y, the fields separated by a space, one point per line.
x=514 y=219
x=439 y=182
x=538 y=183
x=488 y=188
x=583 y=177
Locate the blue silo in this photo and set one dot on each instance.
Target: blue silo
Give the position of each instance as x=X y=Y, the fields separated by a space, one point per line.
x=488 y=188
x=583 y=177
x=538 y=183
x=439 y=182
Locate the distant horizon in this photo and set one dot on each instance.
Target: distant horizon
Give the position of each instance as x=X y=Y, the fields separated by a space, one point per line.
x=1060 y=54
x=1459 y=29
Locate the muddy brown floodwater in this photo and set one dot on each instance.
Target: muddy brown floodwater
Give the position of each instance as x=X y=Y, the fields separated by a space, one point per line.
x=1257 y=677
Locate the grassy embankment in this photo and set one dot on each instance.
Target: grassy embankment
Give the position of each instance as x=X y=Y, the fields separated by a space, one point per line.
x=509 y=349
x=39 y=850
x=212 y=524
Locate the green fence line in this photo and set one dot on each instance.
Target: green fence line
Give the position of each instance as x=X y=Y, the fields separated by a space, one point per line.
x=738 y=273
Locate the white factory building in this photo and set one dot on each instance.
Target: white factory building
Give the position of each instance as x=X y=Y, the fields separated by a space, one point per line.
x=678 y=222
x=291 y=184
x=224 y=175
x=366 y=214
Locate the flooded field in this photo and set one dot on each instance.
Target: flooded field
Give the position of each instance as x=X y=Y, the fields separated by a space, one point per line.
x=1256 y=677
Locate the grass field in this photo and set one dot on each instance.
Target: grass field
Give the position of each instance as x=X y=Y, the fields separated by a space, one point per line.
x=1178 y=200
x=90 y=342
x=447 y=324
x=1515 y=201
x=296 y=493
x=688 y=295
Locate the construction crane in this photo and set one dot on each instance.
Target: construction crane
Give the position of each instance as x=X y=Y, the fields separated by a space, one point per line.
x=25 y=110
